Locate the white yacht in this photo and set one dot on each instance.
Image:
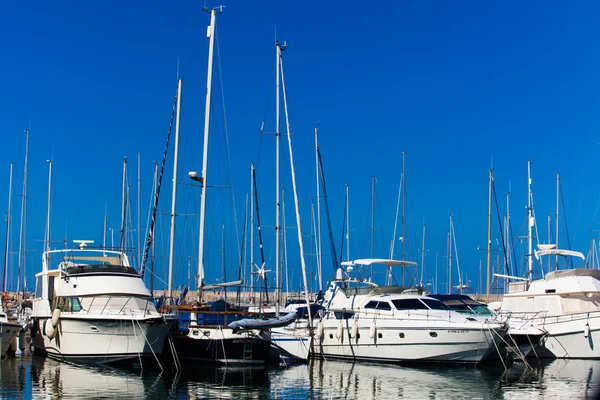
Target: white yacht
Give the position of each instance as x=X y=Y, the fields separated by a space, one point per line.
x=364 y=321
x=91 y=305
x=9 y=331
x=566 y=303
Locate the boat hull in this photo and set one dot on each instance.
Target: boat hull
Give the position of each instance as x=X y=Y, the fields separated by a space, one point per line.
x=101 y=340
x=435 y=344
x=567 y=336
x=8 y=331
x=220 y=345
x=290 y=345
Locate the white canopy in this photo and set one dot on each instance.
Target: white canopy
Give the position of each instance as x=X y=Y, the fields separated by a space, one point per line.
x=382 y=261
x=558 y=252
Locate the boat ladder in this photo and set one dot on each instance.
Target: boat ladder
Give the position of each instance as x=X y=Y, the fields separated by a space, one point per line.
x=247 y=351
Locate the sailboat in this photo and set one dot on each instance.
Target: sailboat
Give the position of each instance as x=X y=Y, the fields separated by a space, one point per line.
x=219 y=332
x=291 y=342
x=565 y=302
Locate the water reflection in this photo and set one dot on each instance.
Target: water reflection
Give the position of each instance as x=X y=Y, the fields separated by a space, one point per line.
x=38 y=377
x=222 y=383
x=35 y=377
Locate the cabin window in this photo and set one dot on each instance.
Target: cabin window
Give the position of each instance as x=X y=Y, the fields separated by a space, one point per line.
x=435 y=304
x=550 y=290
x=433 y=334
x=401 y=334
x=68 y=304
x=38 y=287
x=372 y=304
x=378 y=305
x=409 y=304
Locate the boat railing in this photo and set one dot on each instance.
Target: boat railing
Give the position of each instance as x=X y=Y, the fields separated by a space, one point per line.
x=410 y=315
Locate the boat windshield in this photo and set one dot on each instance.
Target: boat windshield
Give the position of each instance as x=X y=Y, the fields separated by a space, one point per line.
x=99 y=269
x=435 y=304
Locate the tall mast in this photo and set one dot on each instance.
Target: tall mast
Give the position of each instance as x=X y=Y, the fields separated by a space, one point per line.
x=423 y=256
x=318 y=227
x=507 y=230
x=278 y=50
x=104 y=231
x=372 y=215
x=296 y=202
x=252 y=227
x=210 y=33
x=347 y=222
x=403 y=204
x=138 y=229
x=530 y=223
x=223 y=259
x=489 y=240
x=23 y=233
x=450 y=257
x=153 y=264
x=557 y=202
x=174 y=191
x=47 y=244
x=8 y=221
x=123 y=202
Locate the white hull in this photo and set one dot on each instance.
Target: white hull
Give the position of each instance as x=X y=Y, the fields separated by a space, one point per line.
x=567 y=336
x=101 y=340
x=435 y=343
x=290 y=345
x=8 y=331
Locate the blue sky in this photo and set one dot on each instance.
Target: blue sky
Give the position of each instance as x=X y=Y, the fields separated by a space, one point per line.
x=457 y=86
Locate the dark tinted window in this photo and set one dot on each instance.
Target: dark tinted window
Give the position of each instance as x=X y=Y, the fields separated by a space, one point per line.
x=409 y=304
x=371 y=304
x=384 y=305
x=435 y=304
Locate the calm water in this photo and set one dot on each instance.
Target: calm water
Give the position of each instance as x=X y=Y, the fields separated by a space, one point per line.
x=29 y=377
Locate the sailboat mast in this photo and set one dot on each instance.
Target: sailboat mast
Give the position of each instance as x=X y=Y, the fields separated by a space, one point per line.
x=23 y=234
x=530 y=223
x=252 y=227
x=296 y=202
x=423 y=256
x=403 y=205
x=174 y=191
x=277 y=177
x=489 y=240
x=138 y=229
x=507 y=230
x=8 y=221
x=557 y=203
x=123 y=205
x=318 y=227
x=47 y=244
x=347 y=222
x=372 y=215
x=210 y=33
x=450 y=257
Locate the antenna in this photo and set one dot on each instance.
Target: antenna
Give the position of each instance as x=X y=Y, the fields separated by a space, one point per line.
x=83 y=243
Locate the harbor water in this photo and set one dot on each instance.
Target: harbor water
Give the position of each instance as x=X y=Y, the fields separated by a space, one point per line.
x=32 y=377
